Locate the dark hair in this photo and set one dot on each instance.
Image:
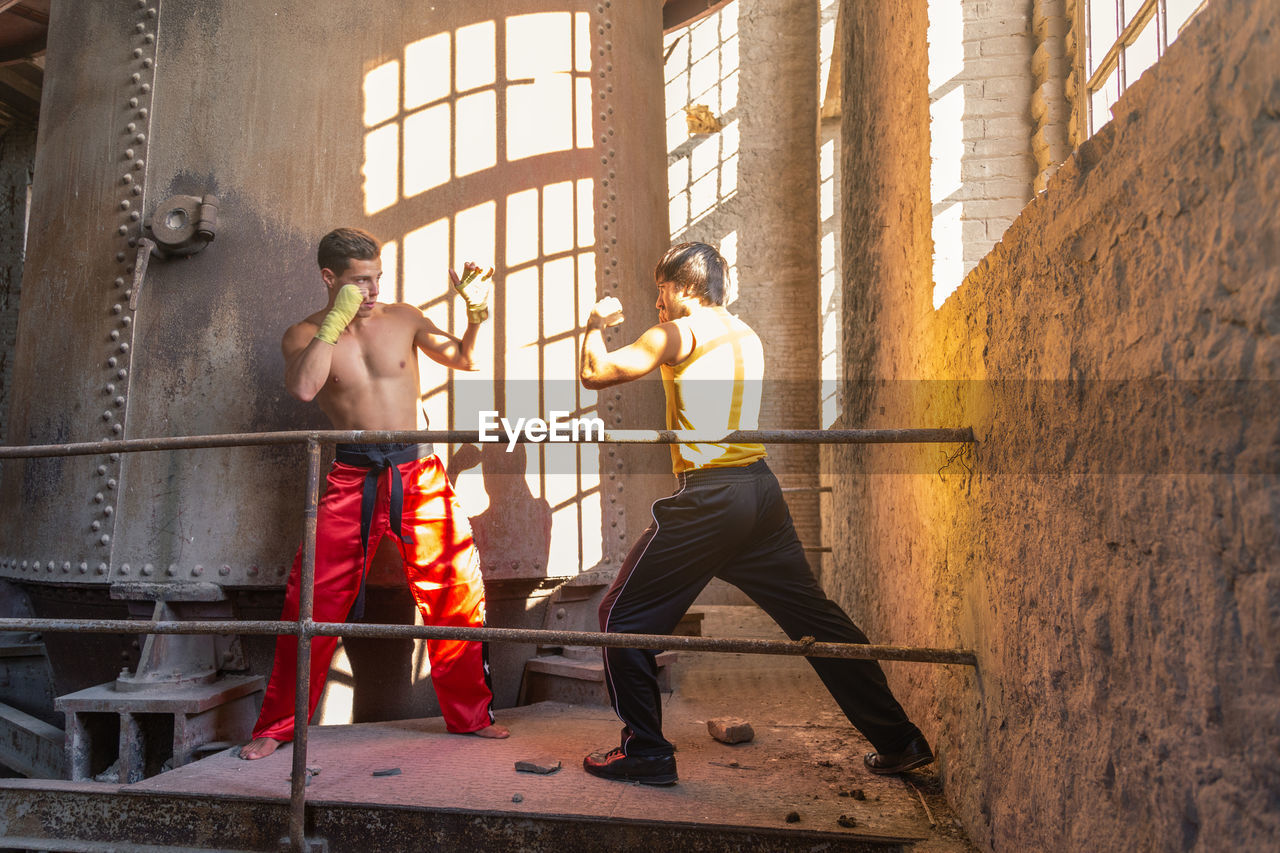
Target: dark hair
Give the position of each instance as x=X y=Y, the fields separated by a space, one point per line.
x=342 y=245
x=696 y=269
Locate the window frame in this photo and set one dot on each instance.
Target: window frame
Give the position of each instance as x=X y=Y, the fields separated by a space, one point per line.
x=1114 y=59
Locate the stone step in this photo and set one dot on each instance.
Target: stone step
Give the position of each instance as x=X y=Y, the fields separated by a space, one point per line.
x=65 y=816
x=578 y=679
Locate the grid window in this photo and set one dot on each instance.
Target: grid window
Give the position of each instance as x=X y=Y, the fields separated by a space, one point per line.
x=454 y=105
x=1124 y=39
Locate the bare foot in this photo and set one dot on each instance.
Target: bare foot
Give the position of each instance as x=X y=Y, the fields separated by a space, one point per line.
x=259 y=748
x=492 y=730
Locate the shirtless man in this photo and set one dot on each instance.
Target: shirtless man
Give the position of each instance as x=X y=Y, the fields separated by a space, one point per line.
x=356 y=358
x=728 y=519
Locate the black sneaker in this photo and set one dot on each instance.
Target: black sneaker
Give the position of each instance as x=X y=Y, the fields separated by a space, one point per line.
x=645 y=769
x=915 y=754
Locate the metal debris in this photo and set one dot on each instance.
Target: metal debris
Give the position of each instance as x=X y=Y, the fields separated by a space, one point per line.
x=390 y=771
x=543 y=767
x=311 y=771
x=928 y=813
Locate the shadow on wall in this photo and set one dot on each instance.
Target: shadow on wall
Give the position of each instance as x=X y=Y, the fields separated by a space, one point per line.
x=502 y=103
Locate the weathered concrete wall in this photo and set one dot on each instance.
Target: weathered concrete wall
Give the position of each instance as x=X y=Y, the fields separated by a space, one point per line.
x=752 y=190
x=17 y=154
x=1110 y=546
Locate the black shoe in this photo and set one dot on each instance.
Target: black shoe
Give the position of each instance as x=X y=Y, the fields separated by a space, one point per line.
x=645 y=769
x=915 y=754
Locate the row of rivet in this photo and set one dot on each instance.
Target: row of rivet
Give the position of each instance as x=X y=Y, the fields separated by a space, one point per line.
x=612 y=400
x=137 y=121
x=147 y=569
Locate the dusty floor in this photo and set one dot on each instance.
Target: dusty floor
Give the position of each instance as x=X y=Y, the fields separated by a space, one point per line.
x=804 y=764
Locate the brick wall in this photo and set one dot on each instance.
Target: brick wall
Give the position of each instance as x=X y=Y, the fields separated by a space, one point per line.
x=1110 y=546
x=980 y=91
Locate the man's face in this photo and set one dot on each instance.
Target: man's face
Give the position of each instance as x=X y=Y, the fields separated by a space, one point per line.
x=364 y=275
x=672 y=303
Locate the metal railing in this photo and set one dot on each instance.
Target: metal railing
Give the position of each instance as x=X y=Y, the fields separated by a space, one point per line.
x=305 y=629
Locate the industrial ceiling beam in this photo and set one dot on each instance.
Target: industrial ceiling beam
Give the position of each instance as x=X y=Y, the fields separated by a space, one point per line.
x=23 y=52
x=15 y=8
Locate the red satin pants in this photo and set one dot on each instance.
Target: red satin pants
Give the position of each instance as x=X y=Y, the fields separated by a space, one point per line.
x=443 y=570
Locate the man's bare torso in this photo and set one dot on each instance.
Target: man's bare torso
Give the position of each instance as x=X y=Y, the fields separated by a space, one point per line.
x=373 y=380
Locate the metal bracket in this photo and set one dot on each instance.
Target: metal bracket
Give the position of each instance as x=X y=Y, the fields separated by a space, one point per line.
x=179 y=659
x=145 y=248
x=183 y=225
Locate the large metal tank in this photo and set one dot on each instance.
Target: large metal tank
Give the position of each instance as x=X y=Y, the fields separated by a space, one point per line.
x=526 y=133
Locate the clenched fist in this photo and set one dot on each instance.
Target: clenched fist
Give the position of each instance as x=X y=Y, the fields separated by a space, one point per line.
x=607 y=312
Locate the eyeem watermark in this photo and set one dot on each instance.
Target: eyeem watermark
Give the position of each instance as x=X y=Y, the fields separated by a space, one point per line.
x=560 y=428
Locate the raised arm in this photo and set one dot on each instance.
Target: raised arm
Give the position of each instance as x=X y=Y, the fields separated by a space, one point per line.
x=444 y=348
x=599 y=368
x=308 y=348
x=307 y=361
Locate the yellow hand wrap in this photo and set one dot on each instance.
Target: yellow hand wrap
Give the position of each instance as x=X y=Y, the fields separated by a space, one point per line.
x=344 y=309
x=474 y=290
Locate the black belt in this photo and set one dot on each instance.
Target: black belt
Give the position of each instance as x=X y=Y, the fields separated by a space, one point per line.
x=378 y=458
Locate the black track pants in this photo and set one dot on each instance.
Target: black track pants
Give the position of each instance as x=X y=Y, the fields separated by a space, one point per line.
x=732 y=523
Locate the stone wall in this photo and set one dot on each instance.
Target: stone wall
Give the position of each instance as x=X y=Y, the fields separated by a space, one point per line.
x=1109 y=547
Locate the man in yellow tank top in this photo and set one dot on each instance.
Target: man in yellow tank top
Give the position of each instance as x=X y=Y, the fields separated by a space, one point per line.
x=727 y=519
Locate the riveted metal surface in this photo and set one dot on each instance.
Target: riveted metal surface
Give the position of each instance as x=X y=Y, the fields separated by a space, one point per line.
x=285 y=147
x=72 y=359
x=131 y=120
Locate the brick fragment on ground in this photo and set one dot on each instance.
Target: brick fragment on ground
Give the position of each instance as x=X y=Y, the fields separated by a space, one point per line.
x=731 y=730
x=542 y=766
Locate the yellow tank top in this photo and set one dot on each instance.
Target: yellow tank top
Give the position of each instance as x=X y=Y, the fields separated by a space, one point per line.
x=716 y=388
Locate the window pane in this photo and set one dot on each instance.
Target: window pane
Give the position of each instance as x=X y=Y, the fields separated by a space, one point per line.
x=1102 y=30
x=1129 y=8
x=1142 y=54
x=1101 y=100
x=1180 y=11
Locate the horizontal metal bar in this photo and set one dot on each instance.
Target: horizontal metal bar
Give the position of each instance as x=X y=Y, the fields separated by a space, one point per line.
x=804 y=647
x=818 y=549
x=620 y=436
x=807 y=489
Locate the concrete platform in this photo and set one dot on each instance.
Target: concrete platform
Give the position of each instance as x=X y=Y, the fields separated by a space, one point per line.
x=799 y=785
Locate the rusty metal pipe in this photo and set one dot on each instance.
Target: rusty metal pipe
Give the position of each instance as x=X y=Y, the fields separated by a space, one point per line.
x=963 y=657
x=622 y=436
x=302 y=684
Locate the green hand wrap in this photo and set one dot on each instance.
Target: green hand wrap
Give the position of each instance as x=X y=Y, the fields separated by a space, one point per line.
x=344 y=309
x=474 y=290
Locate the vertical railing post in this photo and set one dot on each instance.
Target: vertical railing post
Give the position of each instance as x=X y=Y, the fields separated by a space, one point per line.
x=302 y=686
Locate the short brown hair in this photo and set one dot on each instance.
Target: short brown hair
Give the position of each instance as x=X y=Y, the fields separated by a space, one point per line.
x=696 y=269
x=341 y=246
